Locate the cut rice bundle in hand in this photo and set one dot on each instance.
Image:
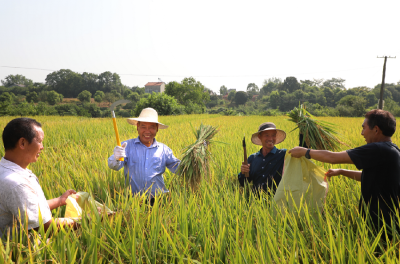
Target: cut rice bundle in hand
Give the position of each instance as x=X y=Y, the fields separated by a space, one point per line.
x=317 y=134
x=194 y=166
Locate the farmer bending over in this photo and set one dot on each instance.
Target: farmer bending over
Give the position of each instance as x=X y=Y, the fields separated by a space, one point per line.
x=379 y=161
x=145 y=159
x=20 y=192
x=265 y=166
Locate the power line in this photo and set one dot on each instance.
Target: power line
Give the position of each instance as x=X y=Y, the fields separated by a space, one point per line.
x=203 y=76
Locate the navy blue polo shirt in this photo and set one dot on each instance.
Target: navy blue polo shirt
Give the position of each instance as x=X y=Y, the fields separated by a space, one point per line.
x=264 y=171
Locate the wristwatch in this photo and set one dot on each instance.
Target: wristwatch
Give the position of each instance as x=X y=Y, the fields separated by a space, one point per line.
x=308 y=154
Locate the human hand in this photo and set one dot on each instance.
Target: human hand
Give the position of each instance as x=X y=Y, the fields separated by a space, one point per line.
x=333 y=172
x=63 y=198
x=298 y=152
x=119 y=152
x=244 y=168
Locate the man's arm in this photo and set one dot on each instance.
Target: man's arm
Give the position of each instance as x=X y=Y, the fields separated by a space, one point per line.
x=323 y=155
x=60 y=201
x=355 y=175
x=172 y=163
x=119 y=152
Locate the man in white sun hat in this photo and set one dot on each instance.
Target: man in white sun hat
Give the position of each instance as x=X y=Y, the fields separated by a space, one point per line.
x=265 y=166
x=145 y=159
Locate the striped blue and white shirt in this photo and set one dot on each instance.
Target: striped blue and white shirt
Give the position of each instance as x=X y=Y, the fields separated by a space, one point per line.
x=145 y=166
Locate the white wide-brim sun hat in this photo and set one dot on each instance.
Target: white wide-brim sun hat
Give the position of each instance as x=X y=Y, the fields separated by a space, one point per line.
x=280 y=134
x=147 y=115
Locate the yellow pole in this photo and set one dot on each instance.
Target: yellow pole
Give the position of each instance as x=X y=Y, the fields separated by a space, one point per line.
x=116 y=132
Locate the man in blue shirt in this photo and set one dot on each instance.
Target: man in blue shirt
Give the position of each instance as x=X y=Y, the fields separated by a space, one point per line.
x=145 y=159
x=265 y=166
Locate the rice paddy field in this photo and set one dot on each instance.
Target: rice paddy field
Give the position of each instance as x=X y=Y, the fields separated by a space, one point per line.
x=220 y=223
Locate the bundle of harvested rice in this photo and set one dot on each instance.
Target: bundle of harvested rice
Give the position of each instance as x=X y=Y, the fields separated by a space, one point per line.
x=194 y=163
x=316 y=134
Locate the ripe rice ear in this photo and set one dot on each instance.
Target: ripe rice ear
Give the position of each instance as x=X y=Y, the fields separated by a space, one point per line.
x=317 y=134
x=194 y=166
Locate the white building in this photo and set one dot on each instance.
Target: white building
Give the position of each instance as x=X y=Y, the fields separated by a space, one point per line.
x=157 y=87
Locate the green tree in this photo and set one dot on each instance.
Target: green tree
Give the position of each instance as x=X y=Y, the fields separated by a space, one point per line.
x=252 y=87
x=116 y=94
x=189 y=90
x=268 y=88
x=6 y=98
x=273 y=80
x=274 y=99
x=99 y=96
x=161 y=102
x=371 y=99
x=290 y=84
x=84 y=96
x=127 y=93
x=110 y=81
x=241 y=98
x=90 y=82
x=18 y=79
x=109 y=97
x=53 y=97
x=134 y=97
x=334 y=83
x=357 y=103
x=223 y=90
x=231 y=95
x=329 y=95
x=32 y=97
x=66 y=82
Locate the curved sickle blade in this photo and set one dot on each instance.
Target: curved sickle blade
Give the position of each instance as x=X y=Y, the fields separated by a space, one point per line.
x=117 y=103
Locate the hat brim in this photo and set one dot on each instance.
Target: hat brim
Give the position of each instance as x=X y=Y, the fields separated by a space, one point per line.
x=134 y=121
x=280 y=136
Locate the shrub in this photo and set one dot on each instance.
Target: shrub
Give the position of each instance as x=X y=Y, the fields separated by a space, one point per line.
x=161 y=102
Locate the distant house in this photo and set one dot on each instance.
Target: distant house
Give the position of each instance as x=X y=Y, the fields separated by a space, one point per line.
x=230 y=90
x=157 y=87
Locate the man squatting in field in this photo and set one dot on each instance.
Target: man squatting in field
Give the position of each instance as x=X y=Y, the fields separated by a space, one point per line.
x=145 y=159
x=21 y=196
x=379 y=161
x=265 y=166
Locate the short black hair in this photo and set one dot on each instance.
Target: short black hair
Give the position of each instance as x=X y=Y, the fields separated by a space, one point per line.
x=19 y=128
x=383 y=119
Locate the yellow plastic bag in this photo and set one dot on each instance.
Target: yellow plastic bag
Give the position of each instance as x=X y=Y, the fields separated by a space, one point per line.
x=75 y=206
x=303 y=183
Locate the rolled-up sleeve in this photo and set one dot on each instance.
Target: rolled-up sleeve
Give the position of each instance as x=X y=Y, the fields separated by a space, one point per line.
x=24 y=202
x=172 y=162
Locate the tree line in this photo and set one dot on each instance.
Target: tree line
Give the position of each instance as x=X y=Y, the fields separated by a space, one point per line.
x=21 y=96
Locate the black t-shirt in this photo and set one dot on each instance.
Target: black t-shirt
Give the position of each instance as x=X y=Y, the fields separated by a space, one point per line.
x=380 y=179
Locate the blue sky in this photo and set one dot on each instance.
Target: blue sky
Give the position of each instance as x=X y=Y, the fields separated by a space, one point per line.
x=230 y=43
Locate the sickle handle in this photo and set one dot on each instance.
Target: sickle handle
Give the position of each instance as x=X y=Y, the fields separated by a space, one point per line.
x=116 y=134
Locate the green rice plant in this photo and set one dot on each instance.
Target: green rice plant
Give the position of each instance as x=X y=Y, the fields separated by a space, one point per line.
x=317 y=134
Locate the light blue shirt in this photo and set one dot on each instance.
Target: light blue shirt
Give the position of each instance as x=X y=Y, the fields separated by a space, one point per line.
x=145 y=165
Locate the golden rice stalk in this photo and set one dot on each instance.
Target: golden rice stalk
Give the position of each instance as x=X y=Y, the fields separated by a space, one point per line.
x=317 y=134
x=194 y=164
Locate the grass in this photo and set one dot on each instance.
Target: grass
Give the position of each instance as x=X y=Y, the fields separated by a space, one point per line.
x=220 y=223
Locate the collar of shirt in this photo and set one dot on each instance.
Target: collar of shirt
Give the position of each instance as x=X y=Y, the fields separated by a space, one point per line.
x=155 y=143
x=15 y=167
x=273 y=151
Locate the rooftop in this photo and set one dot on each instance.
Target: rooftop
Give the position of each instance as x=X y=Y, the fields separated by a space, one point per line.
x=154 y=83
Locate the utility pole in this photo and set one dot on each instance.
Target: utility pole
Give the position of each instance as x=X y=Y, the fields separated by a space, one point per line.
x=383 y=80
